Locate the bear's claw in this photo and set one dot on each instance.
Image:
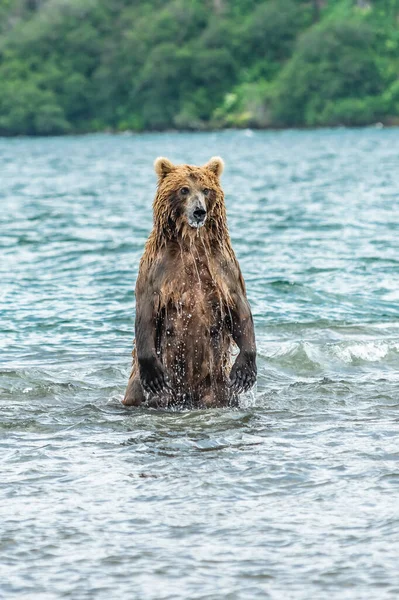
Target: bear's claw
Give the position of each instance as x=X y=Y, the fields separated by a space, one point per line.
x=153 y=377
x=242 y=376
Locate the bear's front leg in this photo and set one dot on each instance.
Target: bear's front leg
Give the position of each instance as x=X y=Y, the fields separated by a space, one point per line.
x=153 y=376
x=244 y=371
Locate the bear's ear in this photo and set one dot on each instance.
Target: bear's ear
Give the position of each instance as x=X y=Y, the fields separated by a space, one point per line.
x=163 y=166
x=216 y=165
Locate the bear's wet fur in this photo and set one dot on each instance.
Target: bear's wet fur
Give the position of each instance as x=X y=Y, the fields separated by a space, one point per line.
x=191 y=305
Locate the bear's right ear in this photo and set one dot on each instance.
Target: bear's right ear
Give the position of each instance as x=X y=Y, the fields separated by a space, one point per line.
x=163 y=166
x=215 y=165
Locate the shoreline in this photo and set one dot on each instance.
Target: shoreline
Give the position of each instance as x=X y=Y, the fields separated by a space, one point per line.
x=253 y=129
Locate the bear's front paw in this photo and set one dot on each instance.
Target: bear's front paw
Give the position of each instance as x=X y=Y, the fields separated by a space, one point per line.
x=153 y=376
x=243 y=373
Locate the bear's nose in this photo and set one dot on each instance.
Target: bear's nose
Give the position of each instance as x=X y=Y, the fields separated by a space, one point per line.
x=199 y=214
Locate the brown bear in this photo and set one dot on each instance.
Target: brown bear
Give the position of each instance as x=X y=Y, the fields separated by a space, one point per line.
x=191 y=305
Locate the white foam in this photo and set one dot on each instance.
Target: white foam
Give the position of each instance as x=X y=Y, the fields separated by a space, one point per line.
x=367 y=351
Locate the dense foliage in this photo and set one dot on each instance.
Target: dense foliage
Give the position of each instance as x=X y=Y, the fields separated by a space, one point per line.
x=88 y=65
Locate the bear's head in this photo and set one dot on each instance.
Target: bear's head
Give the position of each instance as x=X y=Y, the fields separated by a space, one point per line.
x=188 y=197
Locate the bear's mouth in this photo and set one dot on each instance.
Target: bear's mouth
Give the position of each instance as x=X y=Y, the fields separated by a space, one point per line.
x=195 y=224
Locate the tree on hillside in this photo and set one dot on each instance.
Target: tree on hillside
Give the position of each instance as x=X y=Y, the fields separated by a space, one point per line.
x=87 y=65
x=332 y=62
x=317 y=6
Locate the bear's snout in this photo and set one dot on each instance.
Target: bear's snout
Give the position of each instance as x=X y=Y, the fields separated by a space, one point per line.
x=197 y=212
x=199 y=215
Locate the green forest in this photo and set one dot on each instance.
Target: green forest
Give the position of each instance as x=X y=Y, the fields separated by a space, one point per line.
x=75 y=66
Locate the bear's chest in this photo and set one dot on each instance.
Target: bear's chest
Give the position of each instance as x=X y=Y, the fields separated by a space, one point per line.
x=192 y=299
x=194 y=317
x=190 y=278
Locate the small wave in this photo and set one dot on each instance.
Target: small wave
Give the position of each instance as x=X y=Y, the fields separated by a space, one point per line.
x=306 y=356
x=366 y=352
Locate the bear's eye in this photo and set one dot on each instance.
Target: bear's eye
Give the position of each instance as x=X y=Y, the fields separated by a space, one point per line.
x=206 y=192
x=184 y=191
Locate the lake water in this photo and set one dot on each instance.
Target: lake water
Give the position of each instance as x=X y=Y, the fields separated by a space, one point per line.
x=294 y=495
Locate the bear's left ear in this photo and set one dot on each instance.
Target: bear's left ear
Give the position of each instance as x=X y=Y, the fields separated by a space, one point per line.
x=216 y=165
x=163 y=166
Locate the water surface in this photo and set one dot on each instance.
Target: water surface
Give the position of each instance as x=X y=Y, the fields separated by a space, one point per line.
x=293 y=495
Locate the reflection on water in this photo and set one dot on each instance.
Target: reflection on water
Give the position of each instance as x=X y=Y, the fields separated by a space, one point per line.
x=294 y=494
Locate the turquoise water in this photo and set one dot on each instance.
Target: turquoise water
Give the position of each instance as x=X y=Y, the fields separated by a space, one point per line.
x=293 y=495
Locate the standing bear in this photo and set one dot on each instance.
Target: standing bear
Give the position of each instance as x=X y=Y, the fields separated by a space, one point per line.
x=191 y=305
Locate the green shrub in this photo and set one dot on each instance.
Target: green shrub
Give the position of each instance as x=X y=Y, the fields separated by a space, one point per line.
x=27 y=110
x=50 y=120
x=391 y=98
x=351 y=112
x=249 y=105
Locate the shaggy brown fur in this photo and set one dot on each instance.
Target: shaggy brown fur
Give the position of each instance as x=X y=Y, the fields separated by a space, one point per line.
x=191 y=304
